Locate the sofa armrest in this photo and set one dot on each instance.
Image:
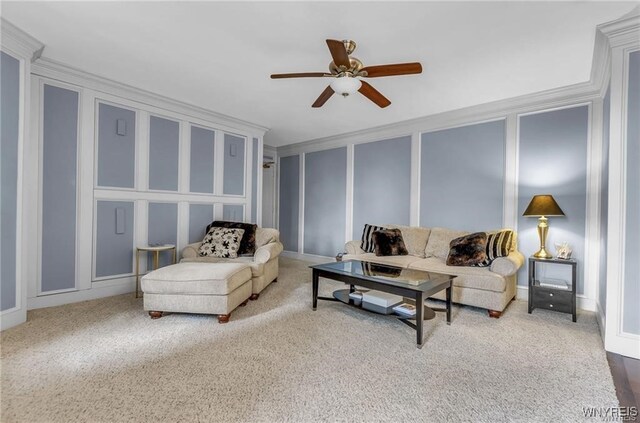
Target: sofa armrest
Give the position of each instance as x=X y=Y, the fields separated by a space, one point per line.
x=268 y=252
x=191 y=250
x=509 y=265
x=353 y=247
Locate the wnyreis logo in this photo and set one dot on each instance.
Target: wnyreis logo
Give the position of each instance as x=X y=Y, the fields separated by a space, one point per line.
x=612 y=414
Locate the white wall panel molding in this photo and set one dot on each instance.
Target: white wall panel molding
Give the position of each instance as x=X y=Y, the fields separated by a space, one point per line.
x=301 y=206
x=414 y=193
x=510 y=205
x=19 y=42
x=101 y=289
x=592 y=212
x=260 y=174
x=348 y=227
x=164 y=196
x=56 y=70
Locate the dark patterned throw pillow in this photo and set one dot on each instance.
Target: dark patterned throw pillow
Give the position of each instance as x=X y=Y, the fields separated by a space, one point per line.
x=248 y=242
x=468 y=250
x=389 y=242
x=367 y=237
x=498 y=245
x=221 y=242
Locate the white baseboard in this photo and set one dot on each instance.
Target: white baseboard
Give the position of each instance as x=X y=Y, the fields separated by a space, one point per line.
x=311 y=258
x=98 y=290
x=582 y=302
x=9 y=319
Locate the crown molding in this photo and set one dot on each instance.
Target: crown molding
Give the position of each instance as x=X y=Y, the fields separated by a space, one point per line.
x=49 y=68
x=601 y=64
x=623 y=31
x=549 y=99
x=19 y=42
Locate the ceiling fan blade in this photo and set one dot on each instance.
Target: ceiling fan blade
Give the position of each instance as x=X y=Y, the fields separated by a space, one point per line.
x=328 y=92
x=373 y=95
x=339 y=53
x=392 y=70
x=300 y=75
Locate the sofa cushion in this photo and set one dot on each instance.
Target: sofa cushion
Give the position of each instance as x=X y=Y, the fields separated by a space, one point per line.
x=248 y=242
x=221 y=242
x=388 y=242
x=367 y=237
x=468 y=250
x=467 y=277
x=196 y=278
x=415 y=238
x=400 y=261
x=439 y=240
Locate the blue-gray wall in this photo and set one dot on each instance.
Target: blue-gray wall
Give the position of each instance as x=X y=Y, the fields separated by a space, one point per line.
x=289 y=205
x=631 y=285
x=114 y=238
x=325 y=182
x=381 y=183
x=59 y=160
x=553 y=160
x=233 y=183
x=201 y=163
x=200 y=215
x=9 y=127
x=116 y=149
x=163 y=228
x=462 y=177
x=233 y=212
x=164 y=136
x=255 y=168
x=604 y=201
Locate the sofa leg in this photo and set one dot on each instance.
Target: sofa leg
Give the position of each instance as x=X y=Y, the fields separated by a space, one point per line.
x=275 y=280
x=495 y=314
x=254 y=297
x=155 y=314
x=224 y=318
x=244 y=303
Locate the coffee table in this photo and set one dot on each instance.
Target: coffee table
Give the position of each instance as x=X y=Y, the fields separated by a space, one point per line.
x=416 y=285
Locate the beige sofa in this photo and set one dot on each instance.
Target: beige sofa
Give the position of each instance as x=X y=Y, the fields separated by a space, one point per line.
x=491 y=288
x=263 y=264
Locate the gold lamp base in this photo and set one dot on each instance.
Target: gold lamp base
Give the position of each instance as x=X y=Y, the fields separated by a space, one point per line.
x=543 y=227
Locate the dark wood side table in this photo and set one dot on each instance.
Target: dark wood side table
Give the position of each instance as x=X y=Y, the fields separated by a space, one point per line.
x=550 y=297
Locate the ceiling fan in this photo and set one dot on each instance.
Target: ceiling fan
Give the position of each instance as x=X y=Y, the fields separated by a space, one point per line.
x=346 y=72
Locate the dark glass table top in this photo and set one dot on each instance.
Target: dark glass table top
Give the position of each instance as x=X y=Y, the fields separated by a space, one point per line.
x=418 y=280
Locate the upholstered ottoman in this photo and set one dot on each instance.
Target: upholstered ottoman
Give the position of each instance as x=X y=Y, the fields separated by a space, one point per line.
x=206 y=288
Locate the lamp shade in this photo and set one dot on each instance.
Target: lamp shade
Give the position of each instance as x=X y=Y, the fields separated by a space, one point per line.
x=543 y=205
x=345 y=85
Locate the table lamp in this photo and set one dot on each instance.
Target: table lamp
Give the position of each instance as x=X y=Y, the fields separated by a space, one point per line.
x=542 y=206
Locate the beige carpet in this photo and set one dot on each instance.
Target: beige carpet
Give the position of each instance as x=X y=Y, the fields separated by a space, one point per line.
x=277 y=360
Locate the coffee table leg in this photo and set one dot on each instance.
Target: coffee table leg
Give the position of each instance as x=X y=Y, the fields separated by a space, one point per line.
x=315 y=288
x=449 y=288
x=419 y=317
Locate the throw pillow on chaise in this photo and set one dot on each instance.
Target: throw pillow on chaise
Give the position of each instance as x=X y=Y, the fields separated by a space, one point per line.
x=221 y=242
x=389 y=242
x=248 y=242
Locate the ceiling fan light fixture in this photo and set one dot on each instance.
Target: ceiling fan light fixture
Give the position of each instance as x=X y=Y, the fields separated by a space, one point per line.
x=345 y=85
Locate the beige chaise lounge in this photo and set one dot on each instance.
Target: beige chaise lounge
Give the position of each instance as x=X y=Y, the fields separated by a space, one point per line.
x=491 y=287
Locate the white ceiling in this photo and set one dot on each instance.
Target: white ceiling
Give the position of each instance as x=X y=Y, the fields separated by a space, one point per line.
x=219 y=55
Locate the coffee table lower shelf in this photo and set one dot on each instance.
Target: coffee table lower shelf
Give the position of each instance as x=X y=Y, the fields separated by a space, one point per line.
x=342 y=295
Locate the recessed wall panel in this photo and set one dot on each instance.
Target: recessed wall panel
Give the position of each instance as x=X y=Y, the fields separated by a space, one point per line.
x=233 y=212
x=163 y=224
x=325 y=175
x=604 y=201
x=164 y=137
x=233 y=165
x=381 y=183
x=202 y=159
x=116 y=146
x=59 y=166
x=631 y=284
x=114 y=238
x=289 y=202
x=9 y=117
x=200 y=215
x=553 y=160
x=462 y=177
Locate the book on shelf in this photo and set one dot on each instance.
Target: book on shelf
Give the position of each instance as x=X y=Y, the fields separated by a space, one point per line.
x=382 y=299
x=356 y=295
x=405 y=309
x=555 y=284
